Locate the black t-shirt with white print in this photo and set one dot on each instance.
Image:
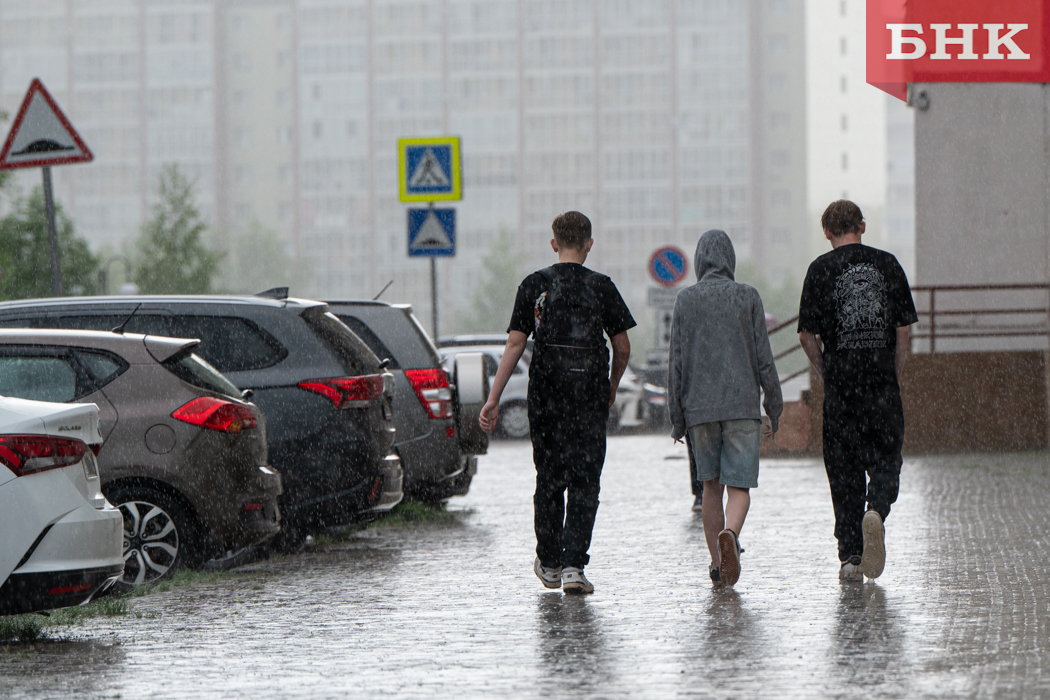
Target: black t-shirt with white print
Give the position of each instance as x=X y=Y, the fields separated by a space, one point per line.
x=855 y=298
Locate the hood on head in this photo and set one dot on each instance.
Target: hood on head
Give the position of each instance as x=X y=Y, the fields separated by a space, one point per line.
x=714 y=255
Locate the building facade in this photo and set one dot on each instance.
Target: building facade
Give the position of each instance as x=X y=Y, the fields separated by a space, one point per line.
x=657 y=118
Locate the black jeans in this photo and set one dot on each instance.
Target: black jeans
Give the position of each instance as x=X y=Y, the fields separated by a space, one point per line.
x=567 y=418
x=863 y=436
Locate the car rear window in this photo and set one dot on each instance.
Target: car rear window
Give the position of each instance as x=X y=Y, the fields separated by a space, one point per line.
x=396 y=335
x=352 y=352
x=38 y=378
x=103 y=366
x=192 y=369
x=229 y=343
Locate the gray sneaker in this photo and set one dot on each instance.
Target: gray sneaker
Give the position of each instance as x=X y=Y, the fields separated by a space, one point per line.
x=850 y=569
x=573 y=581
x=551 y=578
x=873 y=557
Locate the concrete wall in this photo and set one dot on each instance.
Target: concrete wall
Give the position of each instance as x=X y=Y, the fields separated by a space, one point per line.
x=981 y=160
x=965 y=402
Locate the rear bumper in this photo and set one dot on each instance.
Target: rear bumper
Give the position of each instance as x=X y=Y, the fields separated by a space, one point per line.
x=393 y=489
x=47 y=590
x=248 y=514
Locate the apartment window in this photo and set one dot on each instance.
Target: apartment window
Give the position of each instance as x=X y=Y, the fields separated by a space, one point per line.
x=845 y=161
x=777 y=82
x=283 y=21
x=778 y=43
x=842 y=7
x=284 y=135
x=285 y=173
x=845 y=123
x=242 y=98
x=318 y=129
x=844 y=84
x=779 y=121
x=241 y=23
x=242 y=174
x=284 y=59
x=351 y=129
x=315 y=90
x=842 y=45
x=242 y=60
x=242 y=136
x=284 y=97
x=780 y=159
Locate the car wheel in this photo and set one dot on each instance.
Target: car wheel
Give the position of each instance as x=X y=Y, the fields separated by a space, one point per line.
x=160 y=537
x=514 y=420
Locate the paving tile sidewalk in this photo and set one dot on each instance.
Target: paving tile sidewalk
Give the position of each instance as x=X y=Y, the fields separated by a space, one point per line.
x=963 y=609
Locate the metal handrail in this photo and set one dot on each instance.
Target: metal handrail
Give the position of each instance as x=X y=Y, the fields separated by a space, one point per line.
x=990 y=332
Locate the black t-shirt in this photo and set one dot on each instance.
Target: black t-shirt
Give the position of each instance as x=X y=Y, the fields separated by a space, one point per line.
x=528 y=305
x=855 y=298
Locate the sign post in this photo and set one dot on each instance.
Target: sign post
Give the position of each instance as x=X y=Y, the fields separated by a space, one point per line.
x=42 y=136
x=667 y=266
x=429 y=171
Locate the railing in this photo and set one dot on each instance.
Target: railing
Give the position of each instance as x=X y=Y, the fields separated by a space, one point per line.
x=977 y=327
x=790 y=323
x=993 y=321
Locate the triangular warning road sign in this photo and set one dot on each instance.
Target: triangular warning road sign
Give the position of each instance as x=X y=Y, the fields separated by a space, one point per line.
x=431 y=234
x=41 y=135
x=428 y=172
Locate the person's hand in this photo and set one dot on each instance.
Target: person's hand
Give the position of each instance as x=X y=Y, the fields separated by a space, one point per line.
x=489 y=416
x=678 y=441
x=768 y=432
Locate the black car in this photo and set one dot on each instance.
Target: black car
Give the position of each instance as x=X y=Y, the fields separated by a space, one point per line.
x=438 y=436
x=326 y=399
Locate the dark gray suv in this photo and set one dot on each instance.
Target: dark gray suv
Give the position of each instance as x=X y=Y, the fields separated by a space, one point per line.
x=438 y=436
x=326 y=398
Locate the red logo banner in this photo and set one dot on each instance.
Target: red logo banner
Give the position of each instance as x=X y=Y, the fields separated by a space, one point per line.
x=956 y=41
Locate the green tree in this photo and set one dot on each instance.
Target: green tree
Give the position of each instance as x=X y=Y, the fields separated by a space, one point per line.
x=5 y=175
x=170 y=254
x=493 y=298
x=25 y=252
x=258 y=261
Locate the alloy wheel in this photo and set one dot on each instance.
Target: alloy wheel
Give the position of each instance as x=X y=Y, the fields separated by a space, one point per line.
x=151 y=542
x=514 y=420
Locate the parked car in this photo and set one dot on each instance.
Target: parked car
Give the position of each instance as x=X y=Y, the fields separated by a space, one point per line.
x=327 y=401
x=629 y=412
x=61 y=543
x=513 y=407
x=184 y=458
x=437 y=439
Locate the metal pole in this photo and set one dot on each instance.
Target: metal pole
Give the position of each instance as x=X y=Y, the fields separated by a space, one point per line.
x=434 y=296
x=52 y=234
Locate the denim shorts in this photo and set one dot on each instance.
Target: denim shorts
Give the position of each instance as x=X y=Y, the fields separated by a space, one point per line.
x=728 y=451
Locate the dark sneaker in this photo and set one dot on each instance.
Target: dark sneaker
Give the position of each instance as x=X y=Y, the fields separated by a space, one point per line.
x=573 y=581
x=873 y=558
x=551 y=578
x=850 y=569
x=716 y=576
x=697 y=505
x=729 y=554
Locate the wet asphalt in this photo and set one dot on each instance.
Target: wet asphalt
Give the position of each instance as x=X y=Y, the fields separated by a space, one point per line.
x=452 y=609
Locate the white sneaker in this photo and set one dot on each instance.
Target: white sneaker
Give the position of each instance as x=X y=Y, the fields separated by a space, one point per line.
x=850 y=570
x=873 y=558
x=573 y=581
x=551 y=578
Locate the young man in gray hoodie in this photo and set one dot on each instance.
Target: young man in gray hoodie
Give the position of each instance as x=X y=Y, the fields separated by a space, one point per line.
x=719 y=362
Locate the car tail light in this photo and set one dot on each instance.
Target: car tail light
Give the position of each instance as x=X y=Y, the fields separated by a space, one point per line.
x=27 y=454
x=431 y=386
x=347 y=392
x=216 y=414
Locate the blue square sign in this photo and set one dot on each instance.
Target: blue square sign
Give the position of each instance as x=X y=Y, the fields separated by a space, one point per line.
x=429 y=169
x=432 y=232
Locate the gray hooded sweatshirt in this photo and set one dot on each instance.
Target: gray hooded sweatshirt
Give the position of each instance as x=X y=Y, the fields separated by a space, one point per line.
x=720 y=354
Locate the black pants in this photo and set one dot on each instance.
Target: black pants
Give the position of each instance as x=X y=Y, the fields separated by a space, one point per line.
x=863 y=436
x=567 y=417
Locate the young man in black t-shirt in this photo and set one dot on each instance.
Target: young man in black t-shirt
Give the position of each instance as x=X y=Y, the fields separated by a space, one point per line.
x=567 y=308
x=854 y=326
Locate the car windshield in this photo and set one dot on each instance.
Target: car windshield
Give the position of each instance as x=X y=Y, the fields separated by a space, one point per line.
x=193 y=369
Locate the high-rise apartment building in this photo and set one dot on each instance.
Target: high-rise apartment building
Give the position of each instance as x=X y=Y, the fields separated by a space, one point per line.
x=657 y=118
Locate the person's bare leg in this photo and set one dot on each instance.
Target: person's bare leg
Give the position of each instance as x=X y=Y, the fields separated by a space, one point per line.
x=714 y=517
x=737 y=503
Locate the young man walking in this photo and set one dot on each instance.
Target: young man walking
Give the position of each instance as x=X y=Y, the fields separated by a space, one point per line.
x=719 y=361
x=566 y=308
x=854 y=323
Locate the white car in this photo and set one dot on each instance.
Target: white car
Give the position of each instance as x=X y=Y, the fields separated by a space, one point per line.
x=62 y=541
x=513 y=409
x=630 y=411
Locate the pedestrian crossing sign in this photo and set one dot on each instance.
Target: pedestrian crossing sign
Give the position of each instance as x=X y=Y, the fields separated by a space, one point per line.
x=429 y=169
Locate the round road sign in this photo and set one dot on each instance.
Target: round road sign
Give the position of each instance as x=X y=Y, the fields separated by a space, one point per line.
x=668 y=265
